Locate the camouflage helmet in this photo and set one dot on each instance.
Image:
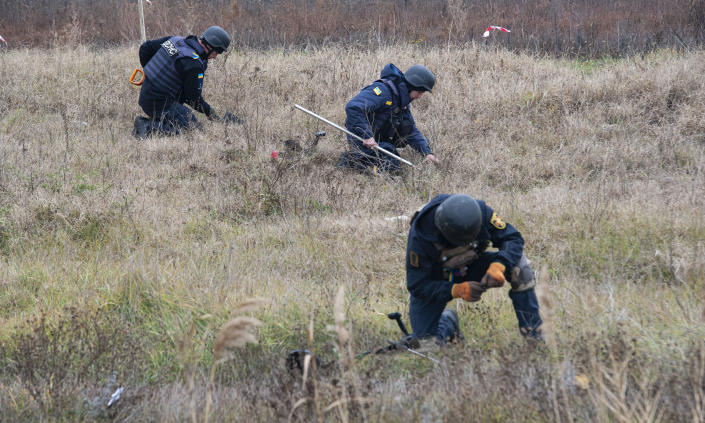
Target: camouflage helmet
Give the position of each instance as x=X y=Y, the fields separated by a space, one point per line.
x=420 y=78
x=459 y=219
x=217 y=38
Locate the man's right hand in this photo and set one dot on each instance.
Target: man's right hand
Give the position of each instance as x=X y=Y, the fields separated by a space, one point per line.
x=468 y=291
x=432 y=158
x=370 y=142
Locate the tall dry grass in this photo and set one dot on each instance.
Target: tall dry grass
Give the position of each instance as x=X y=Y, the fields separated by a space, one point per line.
x=598 y=163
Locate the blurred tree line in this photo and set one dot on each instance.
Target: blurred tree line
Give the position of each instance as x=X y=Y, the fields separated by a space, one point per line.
x=584 y=28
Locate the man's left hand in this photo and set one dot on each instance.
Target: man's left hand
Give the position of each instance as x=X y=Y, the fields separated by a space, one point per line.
x=494 y=278
x=432 y=158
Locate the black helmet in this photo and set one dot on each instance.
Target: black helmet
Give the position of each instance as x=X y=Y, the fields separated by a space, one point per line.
x=217 y=38
x=459 y=219
x=420 y=78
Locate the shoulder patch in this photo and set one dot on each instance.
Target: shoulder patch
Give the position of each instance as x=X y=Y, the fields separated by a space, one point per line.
x=377 y=90
x=413 y=259
x=195 y=56
x=497 y=221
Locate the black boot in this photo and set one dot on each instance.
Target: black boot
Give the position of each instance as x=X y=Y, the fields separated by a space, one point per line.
x=449 y=327
x=142 y=128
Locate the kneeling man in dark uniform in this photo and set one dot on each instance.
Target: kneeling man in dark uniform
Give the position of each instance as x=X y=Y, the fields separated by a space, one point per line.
x=174 y=70
x=380 y=114
x=448 y=257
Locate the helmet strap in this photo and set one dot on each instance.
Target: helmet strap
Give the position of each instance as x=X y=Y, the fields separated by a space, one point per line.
x=207 y=47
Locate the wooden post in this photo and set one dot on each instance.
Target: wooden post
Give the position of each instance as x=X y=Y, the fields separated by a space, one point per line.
x=143 y=33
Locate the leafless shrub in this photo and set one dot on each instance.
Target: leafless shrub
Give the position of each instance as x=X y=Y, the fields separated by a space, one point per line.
x=587 y=29
x=56 y=361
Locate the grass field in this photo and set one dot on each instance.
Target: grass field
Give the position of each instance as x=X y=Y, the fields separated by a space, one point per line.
x=121 y=260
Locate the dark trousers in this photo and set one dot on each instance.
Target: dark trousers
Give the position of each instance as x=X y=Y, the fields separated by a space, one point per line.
x=426 y=314
x=172 y=120
x=360 y=157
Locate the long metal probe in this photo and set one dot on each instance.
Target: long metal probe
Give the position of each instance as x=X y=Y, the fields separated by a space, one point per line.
x=378 y=148
x=422 y=355
x=415 y=352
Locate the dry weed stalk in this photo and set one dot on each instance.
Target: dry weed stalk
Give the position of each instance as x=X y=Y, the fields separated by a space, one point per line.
x=697 y=386
x=544 y=296
x=233 y=334
x=344 y=363
x=310 y=365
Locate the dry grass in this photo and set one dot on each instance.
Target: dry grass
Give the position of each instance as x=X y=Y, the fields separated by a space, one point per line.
x=598 y=163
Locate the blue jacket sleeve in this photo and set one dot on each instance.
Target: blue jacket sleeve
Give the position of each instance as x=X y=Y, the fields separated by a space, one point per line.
x=415 y=140
x=419 y=275
x=193 y=85
x=360 y=110
x=504 y=237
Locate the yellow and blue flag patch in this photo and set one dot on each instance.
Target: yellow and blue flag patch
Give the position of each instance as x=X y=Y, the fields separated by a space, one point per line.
x=196 y=56
x=497 y=222
x=200 y=76
x=377 y=90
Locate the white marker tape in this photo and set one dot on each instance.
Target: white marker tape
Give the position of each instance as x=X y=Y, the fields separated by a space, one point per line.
x=497 y=28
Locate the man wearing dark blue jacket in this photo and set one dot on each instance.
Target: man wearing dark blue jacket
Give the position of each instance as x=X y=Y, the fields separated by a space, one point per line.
x=174 y=69
x=448 y=256
x=380 y=115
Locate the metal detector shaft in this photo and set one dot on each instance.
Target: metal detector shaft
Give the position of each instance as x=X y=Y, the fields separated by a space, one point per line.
x=378 y=148
x=422 y=355
x=417 y=353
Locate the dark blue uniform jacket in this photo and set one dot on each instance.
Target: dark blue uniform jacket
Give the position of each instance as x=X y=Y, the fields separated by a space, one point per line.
x=190 y=70
x=368 y=111
x=426 y=279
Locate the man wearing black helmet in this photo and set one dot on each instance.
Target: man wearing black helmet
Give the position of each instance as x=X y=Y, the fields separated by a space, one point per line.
x=448 y=257
x=174 y=69
x=380 y=115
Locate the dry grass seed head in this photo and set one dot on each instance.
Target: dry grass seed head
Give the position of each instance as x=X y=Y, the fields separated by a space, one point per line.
x=234 y=334
x=250 y=305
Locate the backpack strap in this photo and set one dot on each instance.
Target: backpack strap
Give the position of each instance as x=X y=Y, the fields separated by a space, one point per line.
x=394 y=89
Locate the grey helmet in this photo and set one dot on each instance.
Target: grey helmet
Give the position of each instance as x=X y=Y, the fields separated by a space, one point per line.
x=217 y=38
x=419 y=77
x=459 y=219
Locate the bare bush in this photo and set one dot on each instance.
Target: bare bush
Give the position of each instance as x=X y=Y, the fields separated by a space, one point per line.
x=570 y=28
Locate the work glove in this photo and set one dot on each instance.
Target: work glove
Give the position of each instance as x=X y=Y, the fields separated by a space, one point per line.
x=469 y=291
x=214 y=117
x=494 y=278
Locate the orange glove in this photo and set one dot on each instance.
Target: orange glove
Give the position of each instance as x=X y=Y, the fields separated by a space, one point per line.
x=494 y=278
x=469 y=291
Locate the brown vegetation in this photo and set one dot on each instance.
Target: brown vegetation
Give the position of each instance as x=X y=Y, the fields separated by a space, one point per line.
x=153 y=245
x=567 y=27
